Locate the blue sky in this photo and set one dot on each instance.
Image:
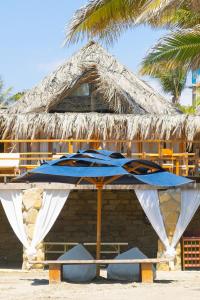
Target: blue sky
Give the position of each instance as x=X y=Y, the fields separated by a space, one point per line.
x=32 y=33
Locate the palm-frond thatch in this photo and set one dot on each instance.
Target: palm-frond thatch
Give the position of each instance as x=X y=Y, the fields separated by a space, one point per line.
x=102 y=126
x=118 y=87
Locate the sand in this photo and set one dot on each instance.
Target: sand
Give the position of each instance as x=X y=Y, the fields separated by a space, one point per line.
x=34 y=285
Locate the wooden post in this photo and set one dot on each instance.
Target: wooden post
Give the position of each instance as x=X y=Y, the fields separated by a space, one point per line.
x=70 y=148
x=99 y=207
x=146 y=272
x=129 y=150
x=55 y=273
x=177 y=166
x=140 y=144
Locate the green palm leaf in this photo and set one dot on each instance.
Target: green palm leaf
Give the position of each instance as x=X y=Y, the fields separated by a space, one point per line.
x=181 y=48
x=103 y=18
x=107 y=19
x=172 y=18
x=155 y=8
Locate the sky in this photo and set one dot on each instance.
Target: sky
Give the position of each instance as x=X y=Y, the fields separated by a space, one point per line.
x=32 y=34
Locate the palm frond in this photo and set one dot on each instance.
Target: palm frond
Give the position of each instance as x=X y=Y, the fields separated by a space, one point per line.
x=175 y=18
x=181 y=48
x=107 y=19
x=103 y=18
x=156 y=9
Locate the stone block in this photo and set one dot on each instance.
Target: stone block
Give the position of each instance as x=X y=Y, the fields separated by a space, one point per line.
x=30 y=197
x=38 y=203
x=30 y=230
x=24 y=216
x=31 y=216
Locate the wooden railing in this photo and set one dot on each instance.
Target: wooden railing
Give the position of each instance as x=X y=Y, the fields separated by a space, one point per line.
x=30 y=152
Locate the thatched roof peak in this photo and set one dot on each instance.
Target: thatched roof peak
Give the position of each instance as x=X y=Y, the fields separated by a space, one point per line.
x=119 y=87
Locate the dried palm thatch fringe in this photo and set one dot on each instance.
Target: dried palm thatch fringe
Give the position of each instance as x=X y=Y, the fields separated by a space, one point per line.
x=102 y=126
x=124 y=92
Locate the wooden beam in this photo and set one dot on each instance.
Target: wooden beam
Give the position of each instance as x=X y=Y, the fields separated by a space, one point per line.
x=102 y=261
x=65 y=186
x=95 y=141
x=112 y=179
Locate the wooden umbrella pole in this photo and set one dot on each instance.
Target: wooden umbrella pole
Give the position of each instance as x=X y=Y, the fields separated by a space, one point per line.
x=99 y=207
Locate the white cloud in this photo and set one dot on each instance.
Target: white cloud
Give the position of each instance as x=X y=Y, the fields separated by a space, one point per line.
x=49 y=66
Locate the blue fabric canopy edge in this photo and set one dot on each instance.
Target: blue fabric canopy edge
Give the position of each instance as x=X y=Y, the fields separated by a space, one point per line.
x=103 y=163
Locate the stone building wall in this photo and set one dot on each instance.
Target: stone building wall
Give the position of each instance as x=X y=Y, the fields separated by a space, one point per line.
x=123 y=220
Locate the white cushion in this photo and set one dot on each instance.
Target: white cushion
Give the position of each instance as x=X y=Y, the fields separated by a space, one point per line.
x=126 y=272
x=78 y=273
x=5 y=160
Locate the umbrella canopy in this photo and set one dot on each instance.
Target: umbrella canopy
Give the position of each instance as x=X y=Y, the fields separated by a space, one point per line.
x=101 y=167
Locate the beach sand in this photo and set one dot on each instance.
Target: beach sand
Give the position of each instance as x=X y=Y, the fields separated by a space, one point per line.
x=34 y=285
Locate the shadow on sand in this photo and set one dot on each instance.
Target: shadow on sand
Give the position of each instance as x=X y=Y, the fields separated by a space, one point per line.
x=98 y=281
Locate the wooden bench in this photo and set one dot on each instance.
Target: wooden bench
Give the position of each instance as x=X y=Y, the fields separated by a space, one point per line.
x=146 y=266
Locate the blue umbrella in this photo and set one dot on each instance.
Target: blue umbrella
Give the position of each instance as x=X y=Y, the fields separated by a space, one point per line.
x=101 y=167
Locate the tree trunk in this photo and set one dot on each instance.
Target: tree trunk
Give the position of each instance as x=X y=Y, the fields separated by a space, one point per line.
x=175 y=99
x=195 y=5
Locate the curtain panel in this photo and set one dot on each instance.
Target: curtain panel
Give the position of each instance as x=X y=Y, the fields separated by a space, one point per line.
x=149 y=200
x=52 y=204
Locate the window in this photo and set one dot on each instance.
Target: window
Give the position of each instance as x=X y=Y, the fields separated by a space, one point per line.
x=82 y=90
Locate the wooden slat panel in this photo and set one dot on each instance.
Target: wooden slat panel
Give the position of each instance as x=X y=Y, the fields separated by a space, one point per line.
x=190 y=252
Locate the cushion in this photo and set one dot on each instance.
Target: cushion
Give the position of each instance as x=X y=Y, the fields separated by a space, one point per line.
x=78 y=273
x=126 y=272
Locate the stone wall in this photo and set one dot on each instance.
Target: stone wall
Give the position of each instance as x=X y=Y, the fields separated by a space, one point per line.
x=170 y=204
x=10 y=248
x=123 y=220
x=32 y=200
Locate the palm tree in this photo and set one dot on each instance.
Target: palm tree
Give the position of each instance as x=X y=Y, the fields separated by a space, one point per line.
x=4 y=94
x=178 y=49
x=107 y=19
x=172 y=82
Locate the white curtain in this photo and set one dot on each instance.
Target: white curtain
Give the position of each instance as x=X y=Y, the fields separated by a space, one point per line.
x=190 y=201
x=12 y=203
x=149 y=200
x=52 y=204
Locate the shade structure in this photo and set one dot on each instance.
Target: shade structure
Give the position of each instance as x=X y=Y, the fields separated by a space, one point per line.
x=101 y=167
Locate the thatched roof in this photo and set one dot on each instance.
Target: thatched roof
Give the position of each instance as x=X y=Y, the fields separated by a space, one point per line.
x=102 y=126
x=124 y=92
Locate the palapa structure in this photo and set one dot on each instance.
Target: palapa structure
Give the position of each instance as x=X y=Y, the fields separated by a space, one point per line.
x=116 y=104
x=93 y=97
